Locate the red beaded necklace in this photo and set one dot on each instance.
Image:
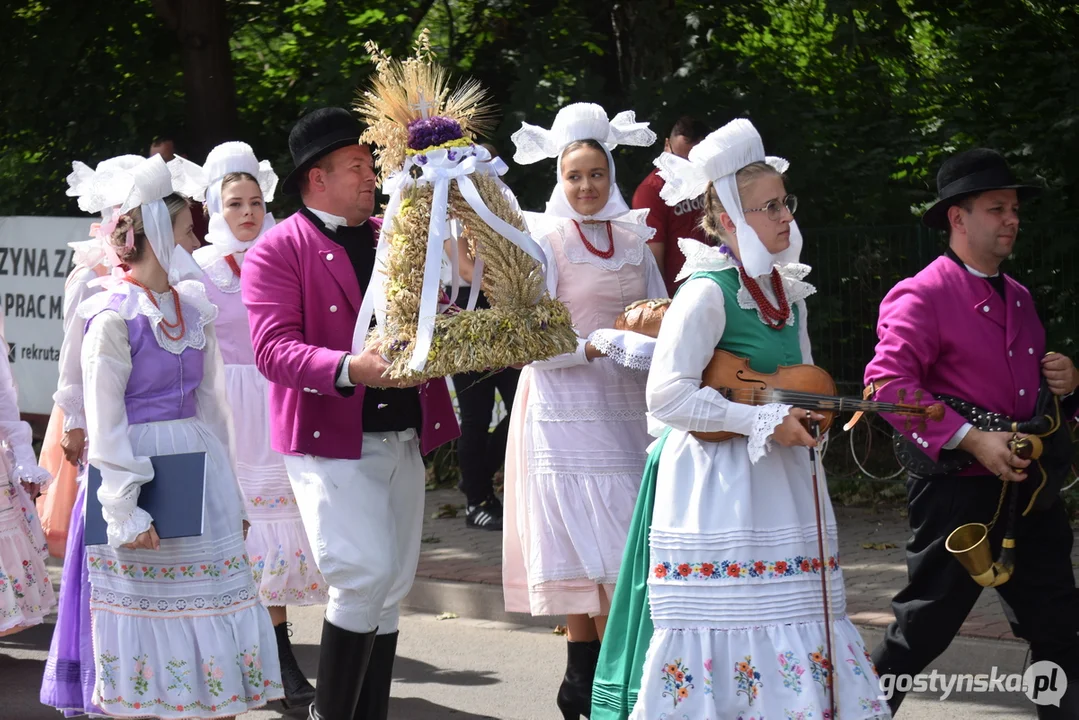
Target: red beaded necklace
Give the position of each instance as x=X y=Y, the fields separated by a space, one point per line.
x=233 y=264
x=606 y=254
x=165 y=323
x=775 y=317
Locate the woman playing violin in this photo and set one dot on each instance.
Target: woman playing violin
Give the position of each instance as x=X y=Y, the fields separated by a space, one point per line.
x=724 y=542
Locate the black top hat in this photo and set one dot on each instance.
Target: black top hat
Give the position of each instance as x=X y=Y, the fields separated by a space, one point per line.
x=968 y=173
x=316 y=135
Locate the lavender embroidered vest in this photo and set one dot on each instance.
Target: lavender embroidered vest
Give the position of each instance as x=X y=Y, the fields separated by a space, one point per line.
x=161 y=385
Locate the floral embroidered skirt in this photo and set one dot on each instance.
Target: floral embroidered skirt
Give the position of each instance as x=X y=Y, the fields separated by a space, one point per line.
x=26 y=594
x=736 y=597
x=276 y=543
x=179 y=632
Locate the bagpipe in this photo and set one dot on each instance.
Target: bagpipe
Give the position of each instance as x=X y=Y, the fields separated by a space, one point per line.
x=1045 y=439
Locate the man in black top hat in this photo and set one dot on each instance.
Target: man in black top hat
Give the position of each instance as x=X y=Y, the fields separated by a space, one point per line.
x=962 y=328
x=351 y=436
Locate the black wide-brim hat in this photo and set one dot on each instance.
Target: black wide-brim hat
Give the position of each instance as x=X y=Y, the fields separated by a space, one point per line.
x=974 y=171
x=316 y=135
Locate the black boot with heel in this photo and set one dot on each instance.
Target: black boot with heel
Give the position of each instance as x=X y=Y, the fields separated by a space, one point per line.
x=299 y=693
x=575 y=693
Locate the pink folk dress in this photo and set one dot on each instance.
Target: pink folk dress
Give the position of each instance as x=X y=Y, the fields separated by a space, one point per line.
x=26 y=594
x=578 y=438
x=277 y=544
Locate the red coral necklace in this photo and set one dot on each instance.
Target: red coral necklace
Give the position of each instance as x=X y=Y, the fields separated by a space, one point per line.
x=606 y=254
x=776 y=317
x=166 y=325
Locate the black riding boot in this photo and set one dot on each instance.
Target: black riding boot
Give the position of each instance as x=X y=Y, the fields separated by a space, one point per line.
x=374 y=701
x=342 y=664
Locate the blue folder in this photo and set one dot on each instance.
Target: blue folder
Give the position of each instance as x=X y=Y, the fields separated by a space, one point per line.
x=174 y=498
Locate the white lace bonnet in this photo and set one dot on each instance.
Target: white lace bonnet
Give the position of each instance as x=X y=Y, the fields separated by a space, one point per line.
x=118 y=190
x=582 y=121
x=230 y=157
x=95 y=251
x=716 y=160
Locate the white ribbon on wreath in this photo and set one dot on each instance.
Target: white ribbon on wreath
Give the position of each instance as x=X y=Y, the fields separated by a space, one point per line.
x=440 y=168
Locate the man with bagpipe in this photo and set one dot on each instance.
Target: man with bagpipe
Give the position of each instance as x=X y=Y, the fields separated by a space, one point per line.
x=986 y=479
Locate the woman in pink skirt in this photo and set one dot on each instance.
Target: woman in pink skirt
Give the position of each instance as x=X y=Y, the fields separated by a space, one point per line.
x=578 y=438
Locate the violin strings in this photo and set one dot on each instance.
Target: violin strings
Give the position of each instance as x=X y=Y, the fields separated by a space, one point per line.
x=822 y=402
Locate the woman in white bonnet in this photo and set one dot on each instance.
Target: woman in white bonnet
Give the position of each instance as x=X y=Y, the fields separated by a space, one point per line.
x=723 y=614
x=578 y=432
x=177 y=626
x=238 y=187
x=68 y=682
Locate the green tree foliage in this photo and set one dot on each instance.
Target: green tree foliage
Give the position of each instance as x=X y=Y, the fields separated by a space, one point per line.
x=864 y=97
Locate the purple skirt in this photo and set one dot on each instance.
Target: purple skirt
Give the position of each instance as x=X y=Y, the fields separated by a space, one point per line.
x=69 y=672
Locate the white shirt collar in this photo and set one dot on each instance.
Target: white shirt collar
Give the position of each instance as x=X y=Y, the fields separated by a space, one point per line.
x=331 y=221
x=979 y=273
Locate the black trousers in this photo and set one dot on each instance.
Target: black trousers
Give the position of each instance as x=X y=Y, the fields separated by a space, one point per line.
x=480 y=452
x=1040 y=600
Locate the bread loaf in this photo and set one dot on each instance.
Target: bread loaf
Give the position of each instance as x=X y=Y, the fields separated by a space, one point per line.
x=643 y=316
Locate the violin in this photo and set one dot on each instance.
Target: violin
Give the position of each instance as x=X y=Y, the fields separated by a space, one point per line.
x=804 y=386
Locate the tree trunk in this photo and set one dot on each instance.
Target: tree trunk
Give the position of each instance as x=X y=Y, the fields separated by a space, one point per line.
x=210 y=91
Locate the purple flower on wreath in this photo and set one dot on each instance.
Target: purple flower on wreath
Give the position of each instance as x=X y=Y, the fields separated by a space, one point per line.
x=428 y=132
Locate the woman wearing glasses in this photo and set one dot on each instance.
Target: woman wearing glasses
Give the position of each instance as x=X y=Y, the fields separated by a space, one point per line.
x=720 y=611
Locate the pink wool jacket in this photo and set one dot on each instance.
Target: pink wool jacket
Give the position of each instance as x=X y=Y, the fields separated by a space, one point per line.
x=946 y=331
x=302 y=299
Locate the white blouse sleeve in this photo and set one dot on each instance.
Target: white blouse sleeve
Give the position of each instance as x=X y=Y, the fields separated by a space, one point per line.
x=692 y=327
x=656 y=287
x=17 y=433
x=68 y=395
x=106 y=367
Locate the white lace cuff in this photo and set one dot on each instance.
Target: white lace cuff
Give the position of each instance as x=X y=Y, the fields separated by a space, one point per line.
x=768 y=418
x=70 y=400
x=32 y=474
x=74 y=420
x=125 y=530
x=628 y=349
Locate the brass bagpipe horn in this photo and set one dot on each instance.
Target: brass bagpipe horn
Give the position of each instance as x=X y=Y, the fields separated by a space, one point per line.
x=970 y=543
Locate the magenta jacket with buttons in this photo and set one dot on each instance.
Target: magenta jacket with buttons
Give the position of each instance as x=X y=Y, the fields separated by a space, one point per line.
x=946 y=331
x=302 y=300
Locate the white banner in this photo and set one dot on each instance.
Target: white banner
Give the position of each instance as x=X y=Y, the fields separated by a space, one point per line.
x=34 y=263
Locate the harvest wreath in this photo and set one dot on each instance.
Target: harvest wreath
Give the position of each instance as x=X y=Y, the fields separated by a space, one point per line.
x=434 y=172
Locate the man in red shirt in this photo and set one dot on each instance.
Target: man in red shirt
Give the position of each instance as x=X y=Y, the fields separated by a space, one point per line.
x=672 y=223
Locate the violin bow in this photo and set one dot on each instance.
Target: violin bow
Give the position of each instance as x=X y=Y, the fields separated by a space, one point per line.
x=822 y=550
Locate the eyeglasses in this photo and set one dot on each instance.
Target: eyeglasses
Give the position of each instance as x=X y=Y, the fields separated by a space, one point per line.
x=774 y=207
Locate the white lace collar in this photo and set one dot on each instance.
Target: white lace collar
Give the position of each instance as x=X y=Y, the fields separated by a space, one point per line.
x=704 y=258
x=629 y=241
x=219 y=271
x=134 y=301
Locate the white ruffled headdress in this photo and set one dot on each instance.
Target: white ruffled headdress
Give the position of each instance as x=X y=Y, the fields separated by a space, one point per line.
x=586 y=121
x=80 y=184
x=716 y=160
x=228 y=158
x=144 y=186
